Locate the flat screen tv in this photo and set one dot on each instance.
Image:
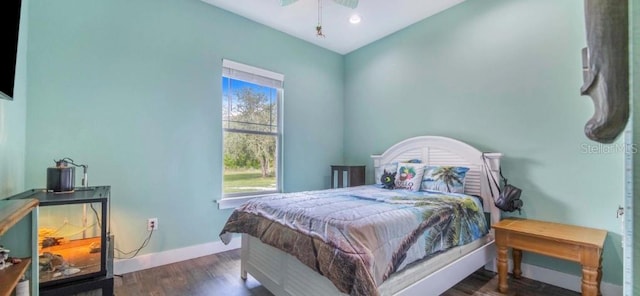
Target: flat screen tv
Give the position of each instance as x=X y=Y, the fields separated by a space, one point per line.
x=10 y=13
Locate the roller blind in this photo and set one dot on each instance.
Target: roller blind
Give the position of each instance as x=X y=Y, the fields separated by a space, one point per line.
x=252 y=74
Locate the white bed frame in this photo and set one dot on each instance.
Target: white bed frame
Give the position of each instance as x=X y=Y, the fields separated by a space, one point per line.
x=283 y=274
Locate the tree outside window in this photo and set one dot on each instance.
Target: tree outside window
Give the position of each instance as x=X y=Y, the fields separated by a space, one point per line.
x=250 y=119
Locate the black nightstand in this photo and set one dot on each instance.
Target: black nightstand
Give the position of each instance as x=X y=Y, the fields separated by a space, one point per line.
x=347 y=175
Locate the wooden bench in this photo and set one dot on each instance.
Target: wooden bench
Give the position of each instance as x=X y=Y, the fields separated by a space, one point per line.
x=574 y=243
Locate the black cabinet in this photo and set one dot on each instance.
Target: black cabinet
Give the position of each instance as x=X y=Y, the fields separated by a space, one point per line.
x=347 y=175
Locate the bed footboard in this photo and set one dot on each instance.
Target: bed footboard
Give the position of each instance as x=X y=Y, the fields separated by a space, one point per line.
x=283 y=274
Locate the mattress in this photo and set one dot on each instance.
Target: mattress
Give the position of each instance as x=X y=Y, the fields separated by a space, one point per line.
x=358 y=237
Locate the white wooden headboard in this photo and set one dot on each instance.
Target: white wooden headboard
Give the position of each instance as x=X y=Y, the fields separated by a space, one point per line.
x=435 y=150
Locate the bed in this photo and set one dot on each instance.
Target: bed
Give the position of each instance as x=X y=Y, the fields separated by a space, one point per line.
x=286 y=248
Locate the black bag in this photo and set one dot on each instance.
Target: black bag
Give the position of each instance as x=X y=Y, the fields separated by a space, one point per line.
x=509 y=197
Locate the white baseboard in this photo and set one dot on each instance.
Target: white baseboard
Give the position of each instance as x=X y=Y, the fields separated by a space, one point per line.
x=122 y=266
x=558 y=279
x=549 y=276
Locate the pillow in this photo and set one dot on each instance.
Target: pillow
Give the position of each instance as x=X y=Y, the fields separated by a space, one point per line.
x=444 y=179
x=389 y=167
x=409 y=176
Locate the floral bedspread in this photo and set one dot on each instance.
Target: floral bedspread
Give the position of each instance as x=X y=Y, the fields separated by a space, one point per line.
x=357 y=237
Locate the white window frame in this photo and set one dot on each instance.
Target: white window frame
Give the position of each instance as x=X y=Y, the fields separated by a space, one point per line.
x=239 y=71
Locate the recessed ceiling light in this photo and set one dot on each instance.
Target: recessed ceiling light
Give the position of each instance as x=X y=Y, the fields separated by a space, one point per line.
x=354 y=19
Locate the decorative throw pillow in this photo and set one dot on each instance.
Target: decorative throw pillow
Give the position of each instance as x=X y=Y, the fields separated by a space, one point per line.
x=444 y=179
x=389 y=167
x=409 y=176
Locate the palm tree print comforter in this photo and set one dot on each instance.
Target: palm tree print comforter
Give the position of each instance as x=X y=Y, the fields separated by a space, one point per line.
x=357 y=237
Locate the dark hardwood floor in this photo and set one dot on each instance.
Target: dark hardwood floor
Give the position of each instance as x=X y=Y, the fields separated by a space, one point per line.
x=219 y=274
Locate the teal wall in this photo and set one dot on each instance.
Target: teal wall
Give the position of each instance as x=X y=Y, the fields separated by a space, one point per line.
x=12 y=144
x=503 y=76
x=12 y=120
x=133 y=89
x=634 y=26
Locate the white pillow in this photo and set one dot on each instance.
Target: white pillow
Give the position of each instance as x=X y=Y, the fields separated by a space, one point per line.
x=409 y=176
x=389 y=167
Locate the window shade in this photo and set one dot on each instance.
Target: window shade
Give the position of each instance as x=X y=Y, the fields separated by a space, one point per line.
x=251 y=74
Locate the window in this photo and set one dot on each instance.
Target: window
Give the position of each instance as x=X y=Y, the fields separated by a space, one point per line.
x=252 y=129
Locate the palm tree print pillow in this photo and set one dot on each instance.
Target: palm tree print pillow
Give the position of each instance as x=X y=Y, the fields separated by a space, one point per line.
x=409 y=176
x=444 y=179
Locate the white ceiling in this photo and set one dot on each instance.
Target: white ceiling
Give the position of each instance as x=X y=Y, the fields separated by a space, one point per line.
x=379 y=18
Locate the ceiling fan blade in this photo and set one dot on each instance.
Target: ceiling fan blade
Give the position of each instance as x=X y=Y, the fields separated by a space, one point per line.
x=347 y=3
x=287 y=2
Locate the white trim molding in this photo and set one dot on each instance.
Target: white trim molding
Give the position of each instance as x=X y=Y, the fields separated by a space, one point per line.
x=234 y=202
x=558 y=279
x=146 y=261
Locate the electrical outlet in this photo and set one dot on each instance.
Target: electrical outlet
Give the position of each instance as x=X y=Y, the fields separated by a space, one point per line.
x=152 y=224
